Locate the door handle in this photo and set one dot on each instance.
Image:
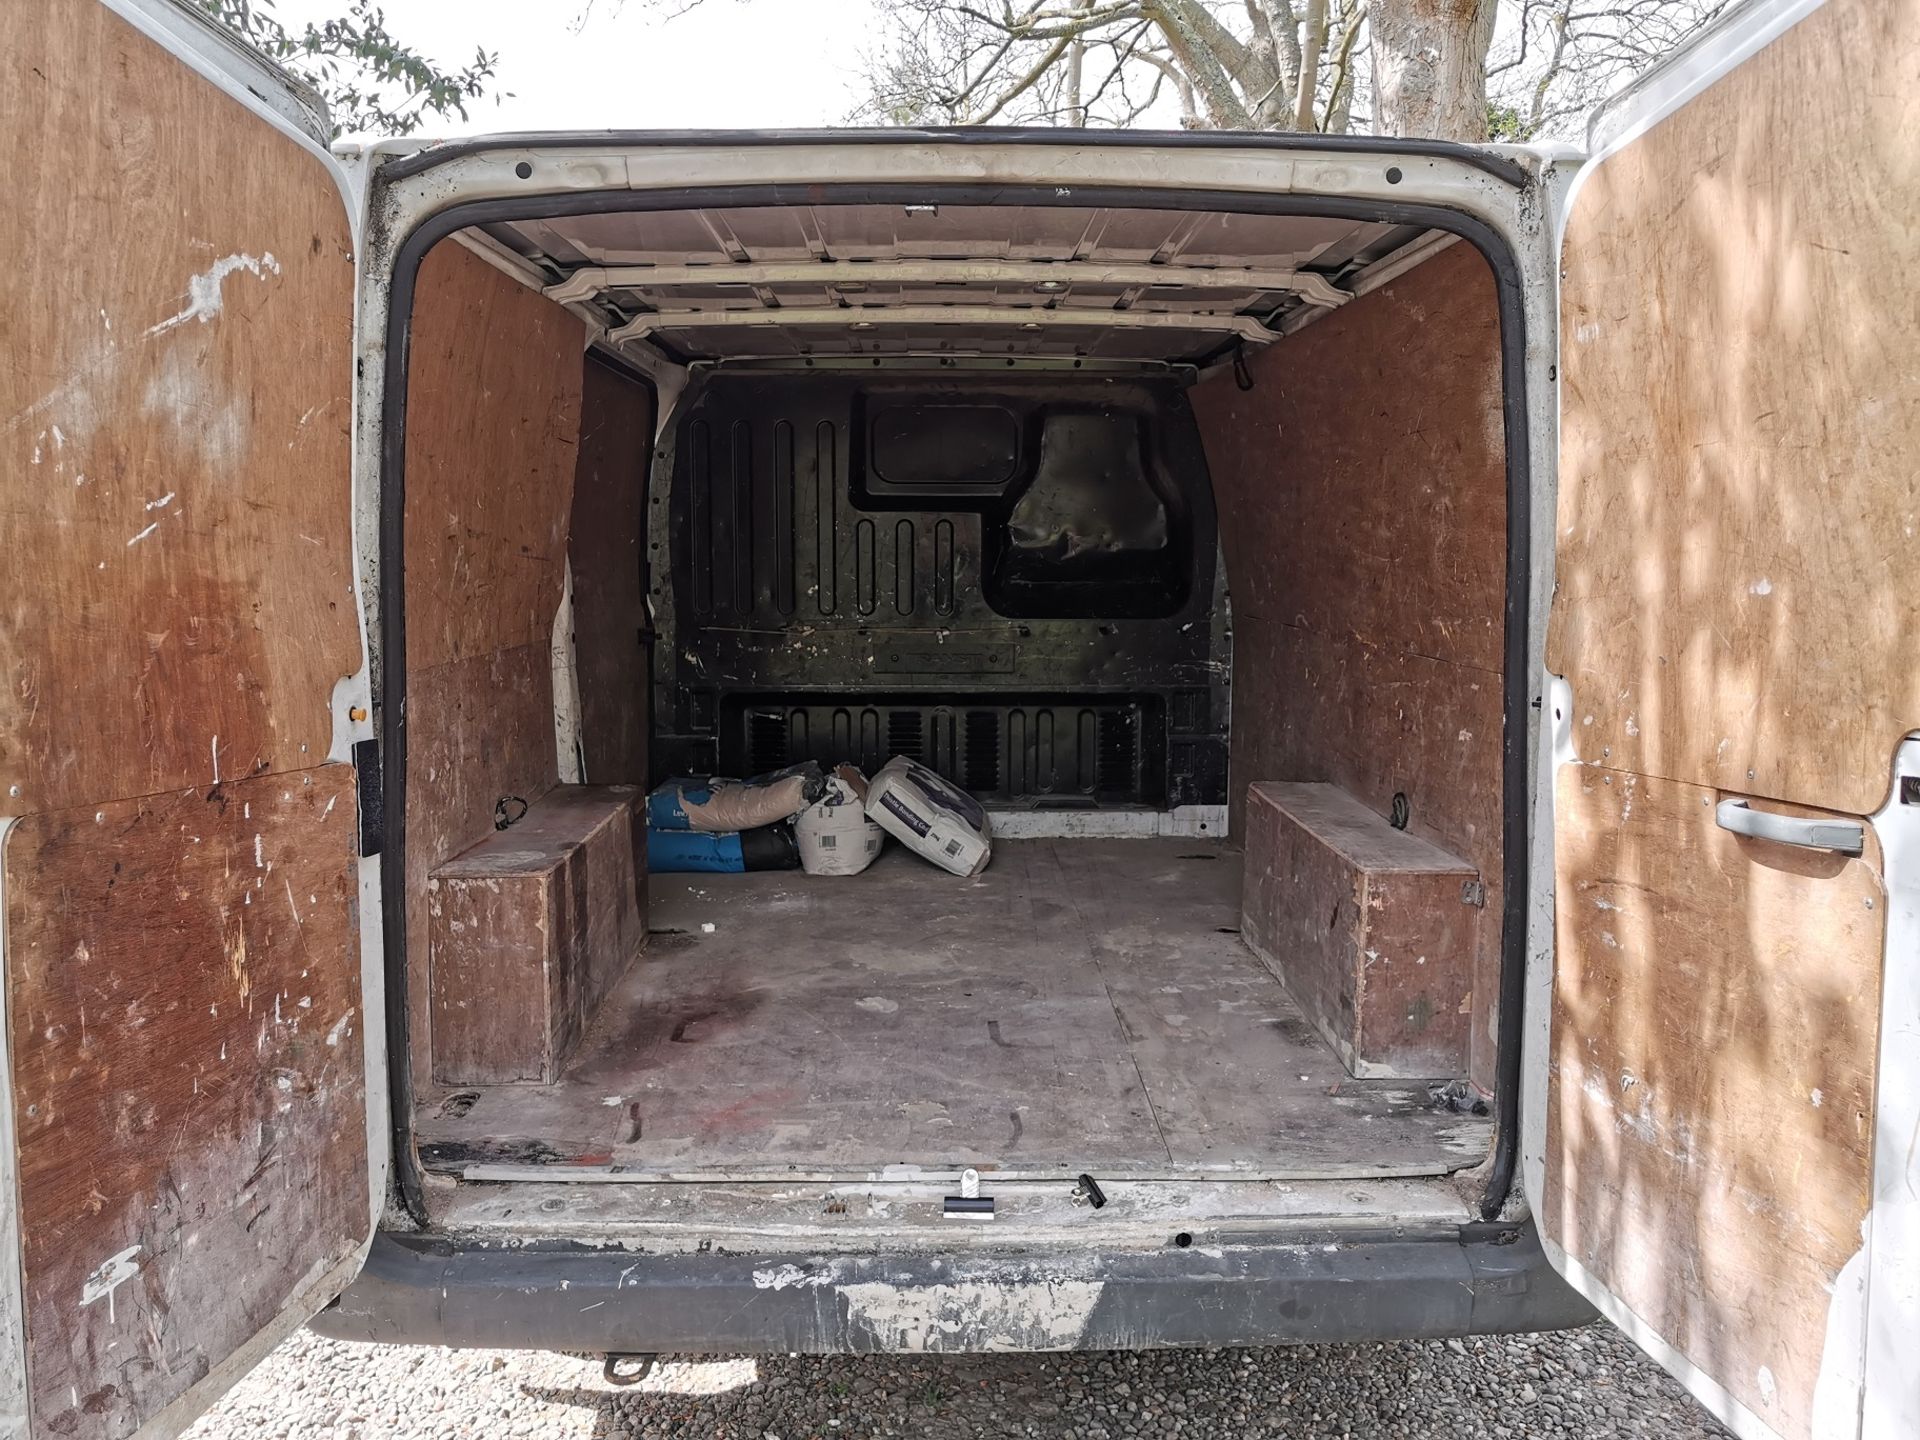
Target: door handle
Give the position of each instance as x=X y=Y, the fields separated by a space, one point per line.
x=1848 y=837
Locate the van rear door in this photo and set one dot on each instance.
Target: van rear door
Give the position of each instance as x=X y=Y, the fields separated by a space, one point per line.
x=1726 y=1163
x=189 y=1078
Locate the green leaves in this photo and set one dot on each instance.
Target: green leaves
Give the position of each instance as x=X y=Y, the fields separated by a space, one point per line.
x=372 y=83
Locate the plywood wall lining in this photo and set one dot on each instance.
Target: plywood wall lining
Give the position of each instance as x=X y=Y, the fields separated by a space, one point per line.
x=493 y=427
x=1738 y=499
x=1362 y=490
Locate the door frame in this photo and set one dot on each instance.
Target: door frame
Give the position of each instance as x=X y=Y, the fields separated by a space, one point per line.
x=1492 y=200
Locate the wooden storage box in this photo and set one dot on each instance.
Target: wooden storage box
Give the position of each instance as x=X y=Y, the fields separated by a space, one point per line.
x=528 y=931
x=1370 y=929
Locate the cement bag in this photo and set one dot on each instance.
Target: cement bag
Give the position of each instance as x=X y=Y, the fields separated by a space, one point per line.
x=680 y=852
x=835 y=835
x=937 y=821
x=719 y=805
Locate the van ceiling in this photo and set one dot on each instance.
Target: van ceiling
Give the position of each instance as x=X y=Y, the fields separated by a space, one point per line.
x=790 y=282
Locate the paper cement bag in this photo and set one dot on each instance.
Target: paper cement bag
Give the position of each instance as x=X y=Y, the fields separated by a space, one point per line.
x=835 y=833
x=936 y=820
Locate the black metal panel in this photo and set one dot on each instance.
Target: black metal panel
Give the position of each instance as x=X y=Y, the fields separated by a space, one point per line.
x=984 y=560
x=1058 y=750
x=1343 y=1284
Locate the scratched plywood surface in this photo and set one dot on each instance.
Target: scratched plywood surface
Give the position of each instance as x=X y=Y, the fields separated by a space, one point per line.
x=176 y=611
x=479 y=730
x=1362 y=493
x=1370 y=929
x=530 y=928
x=606 y=548
x=1080 y=1004
x=493 y=429
x=493 y=423
x=1362 y=481
x=176 y=603
x=1711 y=1079
x=1740 y=416
x=184 y=1016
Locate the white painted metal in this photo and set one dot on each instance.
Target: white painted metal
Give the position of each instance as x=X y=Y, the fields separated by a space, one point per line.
x=1063 y=169
x=1741 y=32
x=1890 y=1385
x=585 y=283
x=1248 y=327
x=568 y=756
x=898 y=1209
x=13 y=1317
x=1193 y=822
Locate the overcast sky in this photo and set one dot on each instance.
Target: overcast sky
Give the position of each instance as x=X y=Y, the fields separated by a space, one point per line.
x=723 y=63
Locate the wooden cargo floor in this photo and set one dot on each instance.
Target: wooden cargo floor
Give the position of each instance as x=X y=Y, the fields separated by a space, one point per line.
x=1083 y=1005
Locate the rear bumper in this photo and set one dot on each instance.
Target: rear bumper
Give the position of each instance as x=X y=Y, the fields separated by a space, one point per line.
x=1484 y=1279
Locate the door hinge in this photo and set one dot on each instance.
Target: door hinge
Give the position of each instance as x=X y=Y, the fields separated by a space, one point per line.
x=373 y=813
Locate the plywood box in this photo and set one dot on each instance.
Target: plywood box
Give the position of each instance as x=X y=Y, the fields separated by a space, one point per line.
x=1371 y=930
x=529 y=929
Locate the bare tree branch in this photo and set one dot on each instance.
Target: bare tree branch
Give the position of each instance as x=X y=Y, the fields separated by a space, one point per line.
x=1025 y=82
x=1266 y=64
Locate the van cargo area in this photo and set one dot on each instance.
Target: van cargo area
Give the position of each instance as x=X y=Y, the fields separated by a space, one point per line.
x=1177 y=539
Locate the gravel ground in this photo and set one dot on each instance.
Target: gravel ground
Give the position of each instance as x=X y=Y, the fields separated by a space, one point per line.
x=1588 y=1383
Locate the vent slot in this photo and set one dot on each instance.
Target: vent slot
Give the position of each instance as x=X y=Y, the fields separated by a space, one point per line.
x=980 y=759
x=1119 y=753
x=906 y=735
x=1036 y=749
x=766 y=741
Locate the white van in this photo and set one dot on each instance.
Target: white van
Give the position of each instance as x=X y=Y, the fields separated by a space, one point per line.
x=1431 y=629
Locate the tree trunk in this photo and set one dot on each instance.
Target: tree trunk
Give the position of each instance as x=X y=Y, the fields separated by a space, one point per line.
x=1430 y=67
x=1311 y=46
x=1076 y=70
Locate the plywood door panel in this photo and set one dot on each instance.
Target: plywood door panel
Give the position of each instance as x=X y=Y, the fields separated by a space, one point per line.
x=1716 y=1002
x=1735 y=613
x=176 y=616
x=176 y=605
x=1741 y=411
x=188 y=1079
x=607 y=551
